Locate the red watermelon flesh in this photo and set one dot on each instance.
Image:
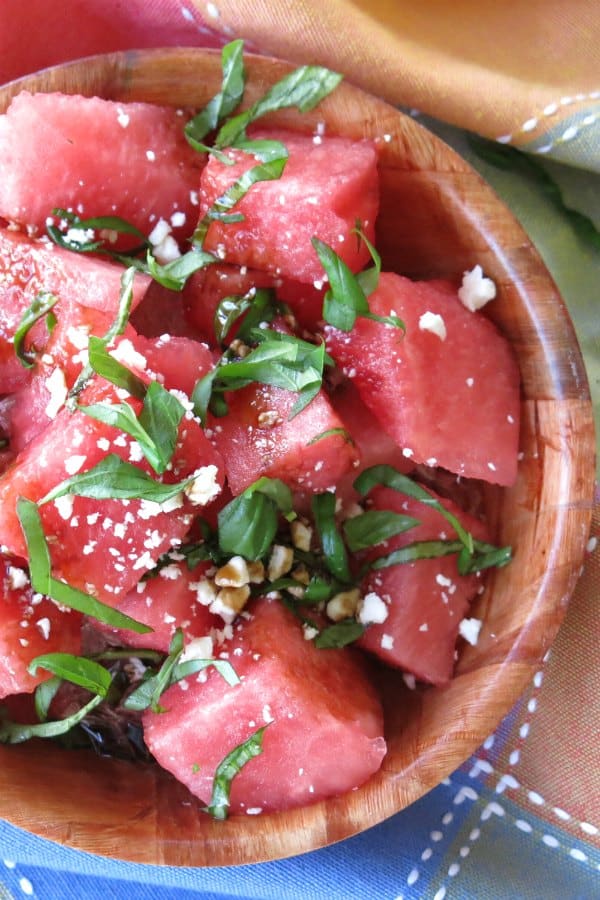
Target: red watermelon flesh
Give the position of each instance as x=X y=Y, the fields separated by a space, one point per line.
x=426 y=599
x=206 y=288
x=98 y=158
x=327 y=185
x=166 y=601
x=423 y=389
x=325 y=723
x=102 y=547
x=29 y=626
x=310 y=452
x=28 y=267
x=304 y=300
x=178 y=362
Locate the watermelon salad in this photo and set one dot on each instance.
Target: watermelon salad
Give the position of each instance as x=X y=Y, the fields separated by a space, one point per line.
x=240 y=461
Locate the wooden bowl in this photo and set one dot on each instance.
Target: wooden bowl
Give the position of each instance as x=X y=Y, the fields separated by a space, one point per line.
x=438 y=218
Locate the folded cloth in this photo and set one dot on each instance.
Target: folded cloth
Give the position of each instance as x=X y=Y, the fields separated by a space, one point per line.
x=521 y=818
x=521 y=72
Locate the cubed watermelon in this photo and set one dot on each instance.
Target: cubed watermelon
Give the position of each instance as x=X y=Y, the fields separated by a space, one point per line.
x=28 y=267
x=328 y=184
x=206 y=288
x=98 y=158
x=423 y=387
x=29 y=626
x=102 y=547
x=310 y=452
x=166 y=601
x=324 y=718
x=426 y=599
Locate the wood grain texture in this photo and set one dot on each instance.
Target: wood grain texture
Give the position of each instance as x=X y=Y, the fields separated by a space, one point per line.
x=437 y=218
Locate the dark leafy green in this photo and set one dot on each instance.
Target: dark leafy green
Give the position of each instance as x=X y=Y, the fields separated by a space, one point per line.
x=223 y=103
x=77 y=669
x=334 y=550
x=249 y=523
x=339 y=635
x=40 y=306
x=226 y=771
x=375 y=526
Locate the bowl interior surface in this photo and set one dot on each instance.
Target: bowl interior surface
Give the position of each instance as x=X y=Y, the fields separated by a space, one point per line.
x=438 y=218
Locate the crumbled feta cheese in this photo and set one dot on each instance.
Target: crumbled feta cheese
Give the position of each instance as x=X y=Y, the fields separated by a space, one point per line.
x=434 y=323
x=44 y=626
x=126 y=353
x=74 y=463
x=17 y=578
x=57 y=388
x=476 y=290
x=198 y=648
x=387 y=642
x=233 y=574
x=64 y=506
x=372 y=610
x=204 y=486
x=469 y=629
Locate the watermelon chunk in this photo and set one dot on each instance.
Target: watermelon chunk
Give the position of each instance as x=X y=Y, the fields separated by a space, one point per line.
x=102 y=547
x=98 y=158
x=327 y=185
x=206 y=288
x=165 y=602
x=314 y=702
x=426 y=599
x=28 y=267
x=29 y=626
x=423 y=388
x=310 y=452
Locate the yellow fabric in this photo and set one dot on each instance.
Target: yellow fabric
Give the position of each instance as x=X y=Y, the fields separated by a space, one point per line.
x=527 y=71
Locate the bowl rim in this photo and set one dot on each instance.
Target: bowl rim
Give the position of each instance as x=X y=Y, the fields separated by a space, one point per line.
x=331 y=821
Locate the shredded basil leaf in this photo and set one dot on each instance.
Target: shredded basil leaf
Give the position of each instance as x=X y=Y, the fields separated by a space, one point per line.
x=334 y=550
x=230 y=309
x=339 y=635
x=346 y=298
x=375 y=526
x=332 y=432
x=86 y=242
x=15 y=733
x=248 y=524
x=174 y=275
x=230 y=766
x=77 y=669
x=149 y=691
x=117 y=327
x=223 y=103
x=42 y=581
x=40 y=306
x=222 y=206
x=44 y=695
x=484 y=555
x=104 y=364
x=390 y=477
x=279 y=359
x=114 y=479
x=304 y=89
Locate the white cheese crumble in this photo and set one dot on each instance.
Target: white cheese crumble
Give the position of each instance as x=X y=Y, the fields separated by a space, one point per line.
x=372 y=610
x=204 y=486
x=387 y=642
x=198 y=648
x=57 y=388
x=64 y=506
x=74 y=463
x=434 y=323
x=126 y=353
x=17 y=578
x=44 y=626
x=476 y=290
x=469 y=629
